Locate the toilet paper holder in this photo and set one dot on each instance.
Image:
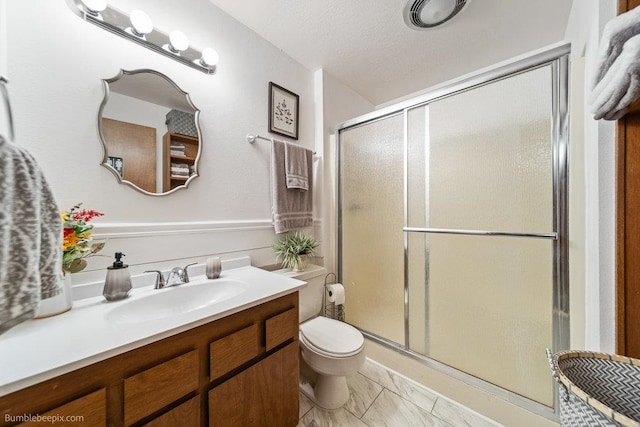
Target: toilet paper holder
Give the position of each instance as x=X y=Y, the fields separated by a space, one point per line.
x=331 y=309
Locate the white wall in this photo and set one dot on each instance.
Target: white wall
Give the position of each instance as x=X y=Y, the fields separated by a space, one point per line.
x=585 y=25
x=56 y=74
x=3 y=64
x=3 y=38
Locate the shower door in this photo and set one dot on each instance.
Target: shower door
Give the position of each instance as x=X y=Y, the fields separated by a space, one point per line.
x=453 y=234
x=372 y=220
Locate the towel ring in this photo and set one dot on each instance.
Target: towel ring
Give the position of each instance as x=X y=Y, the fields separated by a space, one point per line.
x=7 y=104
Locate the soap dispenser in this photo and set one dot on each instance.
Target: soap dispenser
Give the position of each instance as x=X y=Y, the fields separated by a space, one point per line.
x=118 y=282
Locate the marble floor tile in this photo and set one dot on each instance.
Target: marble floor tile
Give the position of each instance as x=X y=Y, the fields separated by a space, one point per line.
x=338 y=418
x=458 y=415
x=305 y=405
x=406 y=388
x=382 y=397
x=391 y=410
x=363 y=392
x=377 y=373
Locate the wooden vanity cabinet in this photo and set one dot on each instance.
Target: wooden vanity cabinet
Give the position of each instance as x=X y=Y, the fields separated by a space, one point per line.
x=241 y=370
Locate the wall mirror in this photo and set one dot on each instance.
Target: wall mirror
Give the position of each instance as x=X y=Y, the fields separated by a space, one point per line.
x=149 y=132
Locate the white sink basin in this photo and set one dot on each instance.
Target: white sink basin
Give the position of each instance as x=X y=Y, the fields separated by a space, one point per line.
x=175 y=301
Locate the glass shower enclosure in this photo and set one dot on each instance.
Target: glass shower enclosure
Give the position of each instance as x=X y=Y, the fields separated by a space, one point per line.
x=452 y=236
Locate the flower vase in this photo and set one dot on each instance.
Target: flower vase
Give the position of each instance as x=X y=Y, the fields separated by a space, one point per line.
x=302 y=264
x=57 y=304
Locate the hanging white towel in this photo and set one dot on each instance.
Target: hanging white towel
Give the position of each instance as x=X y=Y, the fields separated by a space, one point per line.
x=296 y=166
x=31 y=237
x=617 y=72
x=292 y=207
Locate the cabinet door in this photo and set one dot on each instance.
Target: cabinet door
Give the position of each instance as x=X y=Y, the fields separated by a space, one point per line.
x=264 y=395
x=185 y=415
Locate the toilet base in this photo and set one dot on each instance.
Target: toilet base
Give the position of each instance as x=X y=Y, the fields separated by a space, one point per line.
x=329 y=392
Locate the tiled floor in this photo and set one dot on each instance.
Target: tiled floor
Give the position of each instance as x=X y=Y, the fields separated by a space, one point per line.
x=380 y=397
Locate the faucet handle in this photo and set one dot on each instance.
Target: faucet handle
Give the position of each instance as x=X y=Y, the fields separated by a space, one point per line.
x=160 y=283
x=186 y=272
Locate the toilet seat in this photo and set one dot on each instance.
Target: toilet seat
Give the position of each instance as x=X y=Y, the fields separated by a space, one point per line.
x=331 y=338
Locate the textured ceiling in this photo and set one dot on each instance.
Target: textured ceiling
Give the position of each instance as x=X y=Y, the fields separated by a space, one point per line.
x=367 y=45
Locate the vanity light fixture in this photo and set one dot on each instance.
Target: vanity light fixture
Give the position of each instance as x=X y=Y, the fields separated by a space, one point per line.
x=426 y=14
x=138 y=27
x=141 y=24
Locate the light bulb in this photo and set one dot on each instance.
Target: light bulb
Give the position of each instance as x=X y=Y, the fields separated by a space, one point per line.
x=94 y=7
x=209 y=58
x=141 y=23
x=178 y=41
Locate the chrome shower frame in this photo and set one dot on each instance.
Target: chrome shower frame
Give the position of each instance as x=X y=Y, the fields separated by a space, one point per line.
x=557 y=57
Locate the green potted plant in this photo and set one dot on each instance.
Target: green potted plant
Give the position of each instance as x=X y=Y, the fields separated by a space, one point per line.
x=295 y=249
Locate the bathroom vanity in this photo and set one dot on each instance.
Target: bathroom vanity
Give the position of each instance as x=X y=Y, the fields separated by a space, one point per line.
x=236 y=367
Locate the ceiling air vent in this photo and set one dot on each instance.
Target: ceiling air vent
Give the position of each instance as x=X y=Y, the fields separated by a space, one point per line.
x=425 y=14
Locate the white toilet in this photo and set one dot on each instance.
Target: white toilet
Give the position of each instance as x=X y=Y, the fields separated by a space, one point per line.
x=330 y=350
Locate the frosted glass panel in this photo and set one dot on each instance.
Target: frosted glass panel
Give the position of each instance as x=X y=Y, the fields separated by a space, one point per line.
x=489 y=307
x=372 y=159
x=489 y=158
x=417 y=166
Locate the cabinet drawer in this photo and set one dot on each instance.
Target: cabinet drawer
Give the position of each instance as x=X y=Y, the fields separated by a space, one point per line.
x=231 y=351
x=87 y=410
x=153 y=389
x=281 y=327
x=185 y=415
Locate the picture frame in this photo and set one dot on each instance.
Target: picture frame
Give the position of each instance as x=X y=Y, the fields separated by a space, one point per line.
x=117 y=163
x=284 y=107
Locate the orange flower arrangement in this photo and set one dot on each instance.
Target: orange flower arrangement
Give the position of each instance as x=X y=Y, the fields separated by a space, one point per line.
x=77 y=242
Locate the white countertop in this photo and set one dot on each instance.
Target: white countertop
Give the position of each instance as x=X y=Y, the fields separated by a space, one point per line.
x=38 y=350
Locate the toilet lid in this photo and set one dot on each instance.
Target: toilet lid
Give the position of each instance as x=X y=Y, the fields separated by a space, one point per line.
x=332 y=336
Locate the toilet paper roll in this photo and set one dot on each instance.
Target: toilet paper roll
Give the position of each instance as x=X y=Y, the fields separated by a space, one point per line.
x=335 y=293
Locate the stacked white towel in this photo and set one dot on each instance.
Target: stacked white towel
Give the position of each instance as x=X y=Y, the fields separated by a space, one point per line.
x=31 y=230
x=179 y=169
x=178 y=150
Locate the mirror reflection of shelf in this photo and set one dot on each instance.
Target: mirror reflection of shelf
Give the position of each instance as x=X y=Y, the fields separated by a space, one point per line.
x=180 y=153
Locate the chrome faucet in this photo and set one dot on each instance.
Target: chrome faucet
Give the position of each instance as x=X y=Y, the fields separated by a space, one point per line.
x=177 y=276
x=160 y=283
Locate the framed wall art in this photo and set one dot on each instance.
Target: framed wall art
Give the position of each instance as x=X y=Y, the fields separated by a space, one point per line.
x=283 y=111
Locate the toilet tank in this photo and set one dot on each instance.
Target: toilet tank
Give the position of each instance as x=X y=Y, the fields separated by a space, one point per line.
x=310 y=295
